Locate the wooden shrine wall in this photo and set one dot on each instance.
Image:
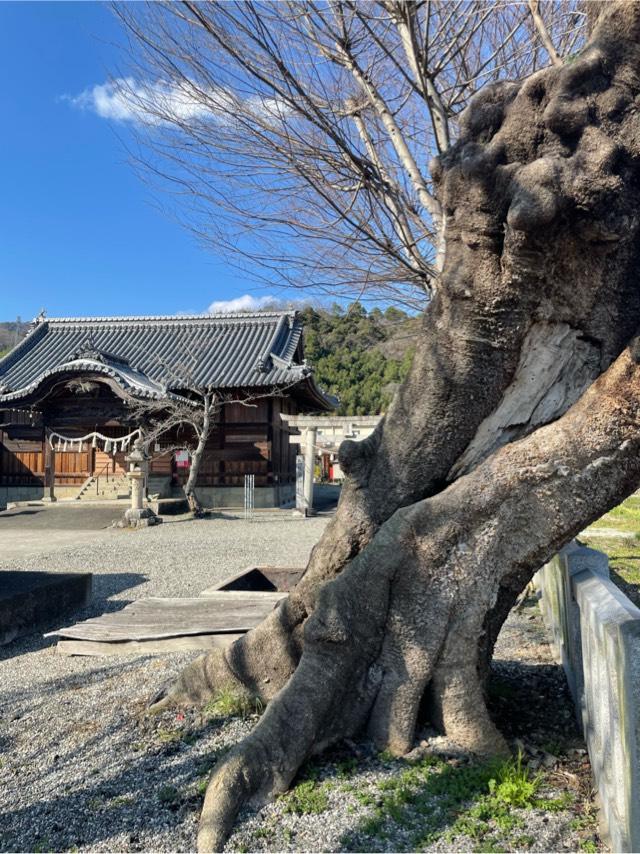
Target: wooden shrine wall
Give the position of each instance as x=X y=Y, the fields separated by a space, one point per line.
x=249 y=439
x=21 y=461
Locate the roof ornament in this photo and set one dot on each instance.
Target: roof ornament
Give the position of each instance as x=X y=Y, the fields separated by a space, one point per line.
x=38 y=319
x=4 y=388
x=262 y=364
x=90 y=350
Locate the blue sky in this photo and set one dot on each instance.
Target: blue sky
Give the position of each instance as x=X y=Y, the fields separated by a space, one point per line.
x=79 y=232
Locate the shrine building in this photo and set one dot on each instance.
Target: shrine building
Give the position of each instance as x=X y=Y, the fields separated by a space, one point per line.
x=70 y=394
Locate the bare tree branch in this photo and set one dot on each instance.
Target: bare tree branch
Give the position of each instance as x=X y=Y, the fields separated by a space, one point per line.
x=296 y=136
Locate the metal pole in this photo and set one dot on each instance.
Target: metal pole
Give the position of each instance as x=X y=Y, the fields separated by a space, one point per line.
x=249 y=495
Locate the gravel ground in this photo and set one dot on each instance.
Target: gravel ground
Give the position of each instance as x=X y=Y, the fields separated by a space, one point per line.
x=83 y=767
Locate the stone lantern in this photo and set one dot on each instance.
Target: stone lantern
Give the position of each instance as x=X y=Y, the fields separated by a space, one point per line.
x=138 y=516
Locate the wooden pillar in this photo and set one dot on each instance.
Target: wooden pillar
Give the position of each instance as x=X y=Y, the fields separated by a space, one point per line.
x=49 y=469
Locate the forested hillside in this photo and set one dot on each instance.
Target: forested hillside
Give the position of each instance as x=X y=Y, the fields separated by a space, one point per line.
x=8 y=334
x=359 y=356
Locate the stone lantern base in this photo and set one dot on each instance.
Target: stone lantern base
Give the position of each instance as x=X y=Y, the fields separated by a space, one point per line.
x=142 y=517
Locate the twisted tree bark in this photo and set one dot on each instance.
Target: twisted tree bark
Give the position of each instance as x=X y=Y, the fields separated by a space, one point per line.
x=517 y=426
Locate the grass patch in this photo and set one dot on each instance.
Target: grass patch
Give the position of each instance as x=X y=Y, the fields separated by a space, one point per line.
x=231 y=703
x=513 y=785
x=169 y=736
x=624 y=562
x=623 y=552
x=346 y=767
x=625 y=517
x=432 y=799
x=563 y=802
x=308 y=797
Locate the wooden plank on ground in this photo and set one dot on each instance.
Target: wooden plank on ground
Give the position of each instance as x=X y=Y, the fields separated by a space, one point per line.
x=156 y=618
x=179 y=644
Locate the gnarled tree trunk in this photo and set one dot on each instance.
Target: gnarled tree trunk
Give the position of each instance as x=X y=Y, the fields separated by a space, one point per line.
x=518 y=425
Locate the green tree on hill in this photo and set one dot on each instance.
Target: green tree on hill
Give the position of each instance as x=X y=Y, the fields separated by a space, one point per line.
x=344 y=348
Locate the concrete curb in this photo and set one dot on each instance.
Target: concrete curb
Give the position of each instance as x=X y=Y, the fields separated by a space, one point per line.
x=596 y=633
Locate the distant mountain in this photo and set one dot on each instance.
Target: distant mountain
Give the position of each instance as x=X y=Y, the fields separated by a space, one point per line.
x=8 y=331
x=359 y=356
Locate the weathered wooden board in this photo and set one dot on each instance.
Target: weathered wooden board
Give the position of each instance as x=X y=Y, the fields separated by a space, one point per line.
x=180 y=644
x=155 y=619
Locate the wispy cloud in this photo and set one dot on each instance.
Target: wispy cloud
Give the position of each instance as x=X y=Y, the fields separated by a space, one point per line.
x=127 y=100
x=155 y=103
x=243 y=303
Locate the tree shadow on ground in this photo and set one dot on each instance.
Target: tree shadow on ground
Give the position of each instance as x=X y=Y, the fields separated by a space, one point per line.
x=532 y=702
x=155 y=770
x=108 y=584
x=426 y=803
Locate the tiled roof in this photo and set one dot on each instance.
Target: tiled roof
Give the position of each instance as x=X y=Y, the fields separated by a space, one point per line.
x=155 y=356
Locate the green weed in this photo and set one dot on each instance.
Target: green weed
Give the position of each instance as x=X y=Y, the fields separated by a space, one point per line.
x=230 y=703
x=514 y=785
x=583 y=822
x=122 y=801
x=365 y=798
x=435 y=799
x=562 y=802
x=307 y=797
x=169 y=736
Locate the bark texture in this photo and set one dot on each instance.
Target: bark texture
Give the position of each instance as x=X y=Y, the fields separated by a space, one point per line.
x=517 y=426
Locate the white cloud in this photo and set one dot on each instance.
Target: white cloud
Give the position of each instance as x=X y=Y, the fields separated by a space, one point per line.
x=243 y=303
x=128 y=100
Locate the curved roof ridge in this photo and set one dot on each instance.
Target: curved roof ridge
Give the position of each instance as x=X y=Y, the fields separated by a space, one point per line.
x=239 y=315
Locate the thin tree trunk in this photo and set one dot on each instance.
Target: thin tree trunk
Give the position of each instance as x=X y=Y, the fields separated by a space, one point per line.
x=196 y=458
x=517 y=426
